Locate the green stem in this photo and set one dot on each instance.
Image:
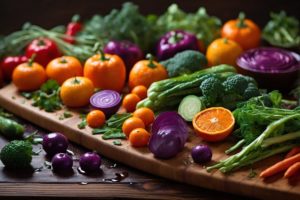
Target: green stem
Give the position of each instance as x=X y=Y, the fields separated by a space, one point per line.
x=63 y=60
x=151 y=60
x=280 y=139
x=31 y=60
x=76 y=81
x=241 y=20
x=236 y=146
x=75 y=18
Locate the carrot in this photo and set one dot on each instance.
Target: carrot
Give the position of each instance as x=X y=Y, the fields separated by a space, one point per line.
x=293 y=152
x=292 y=170
x=280 y=166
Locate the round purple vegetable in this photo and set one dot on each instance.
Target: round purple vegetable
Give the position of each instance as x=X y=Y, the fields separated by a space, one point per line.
x=108 y=101
x=128 y=51
x=169 y=134
x=174 y=42
x=273 y=68
x=62 y=162
x=54 y=143
x=201 y=154
x=90 y=162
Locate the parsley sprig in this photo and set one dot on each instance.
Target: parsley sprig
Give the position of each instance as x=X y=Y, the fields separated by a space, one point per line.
x=47 y=98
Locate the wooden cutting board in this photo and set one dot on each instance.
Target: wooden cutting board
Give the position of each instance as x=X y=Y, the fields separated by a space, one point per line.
x=181 y=168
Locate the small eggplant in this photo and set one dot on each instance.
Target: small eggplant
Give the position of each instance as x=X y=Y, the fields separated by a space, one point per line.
x=128 y=51
x=174 y=42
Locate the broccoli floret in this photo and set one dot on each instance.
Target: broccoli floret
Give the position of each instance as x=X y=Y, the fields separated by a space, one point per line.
x=211 y=89
x=251 y=91
x=236 y=84
x=16 y=154
x=184 y=62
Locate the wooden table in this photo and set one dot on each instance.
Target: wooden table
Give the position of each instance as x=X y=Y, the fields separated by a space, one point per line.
x=40 y=182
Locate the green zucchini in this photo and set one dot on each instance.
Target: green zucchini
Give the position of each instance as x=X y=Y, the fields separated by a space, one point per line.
x=11 y=129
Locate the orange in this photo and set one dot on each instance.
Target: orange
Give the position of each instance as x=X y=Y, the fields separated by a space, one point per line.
x=130 y=101
x=139 y=137
x=145 y=72
x=62 y=68
x=132 y=123
x=214 y=124
x=95 y=118
x=223 y=51
x=29 y=76
x=76 y=91
x=145 y=114
x=140 y=90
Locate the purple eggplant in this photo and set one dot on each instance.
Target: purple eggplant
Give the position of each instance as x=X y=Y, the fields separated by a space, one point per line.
x=174 y=42
x=128 y=51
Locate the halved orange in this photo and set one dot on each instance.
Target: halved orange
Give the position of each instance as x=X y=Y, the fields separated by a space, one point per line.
x=214 y=124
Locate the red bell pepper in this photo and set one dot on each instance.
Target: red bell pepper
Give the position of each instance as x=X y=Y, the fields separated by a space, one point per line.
x=8 y=64
x=45 y=50
x=73 y=28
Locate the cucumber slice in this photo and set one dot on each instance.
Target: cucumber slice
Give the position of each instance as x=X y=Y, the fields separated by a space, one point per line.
x=189 y=107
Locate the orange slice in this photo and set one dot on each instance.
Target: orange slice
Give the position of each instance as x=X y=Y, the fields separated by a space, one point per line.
x=214 y=124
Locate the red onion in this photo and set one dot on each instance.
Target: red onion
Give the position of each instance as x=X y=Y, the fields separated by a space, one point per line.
x=108 y=101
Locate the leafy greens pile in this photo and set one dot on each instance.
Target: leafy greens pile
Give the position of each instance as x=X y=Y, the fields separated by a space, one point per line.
x=124 y=24
x=205 y=27
x=265 y=129
x=282 y=31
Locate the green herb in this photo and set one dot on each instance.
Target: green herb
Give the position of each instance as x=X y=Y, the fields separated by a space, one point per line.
x=113 y=127
x=252 y=173
x=124 y=24
x=65 y=115
x=83 y=122
x=5 y=114
x=111 y=134
x=117 y=142
x=47 y=97
x=205 y=27
x=282 y=30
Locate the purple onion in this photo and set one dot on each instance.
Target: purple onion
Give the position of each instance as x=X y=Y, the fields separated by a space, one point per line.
x=108 y=101
x=175 y=41
x=62 y=162
x=90 y=162
x=128 y=51
x=54 y=143
x=201 y=154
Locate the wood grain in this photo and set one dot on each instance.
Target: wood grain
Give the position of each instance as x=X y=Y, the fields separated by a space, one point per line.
x=180 y=168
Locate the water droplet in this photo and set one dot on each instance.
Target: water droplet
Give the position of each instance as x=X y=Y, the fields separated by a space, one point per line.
x=70 y=152
x=113 y=165
x=119 y=177
x=38 y=169
x=81 y=171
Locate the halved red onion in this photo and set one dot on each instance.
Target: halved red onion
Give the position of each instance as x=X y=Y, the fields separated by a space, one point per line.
x=108 y=101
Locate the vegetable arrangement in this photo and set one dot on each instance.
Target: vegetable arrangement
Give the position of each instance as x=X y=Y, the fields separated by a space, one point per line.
x=192 y=76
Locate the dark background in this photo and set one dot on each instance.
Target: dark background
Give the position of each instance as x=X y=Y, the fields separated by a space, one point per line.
x=49 y=13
